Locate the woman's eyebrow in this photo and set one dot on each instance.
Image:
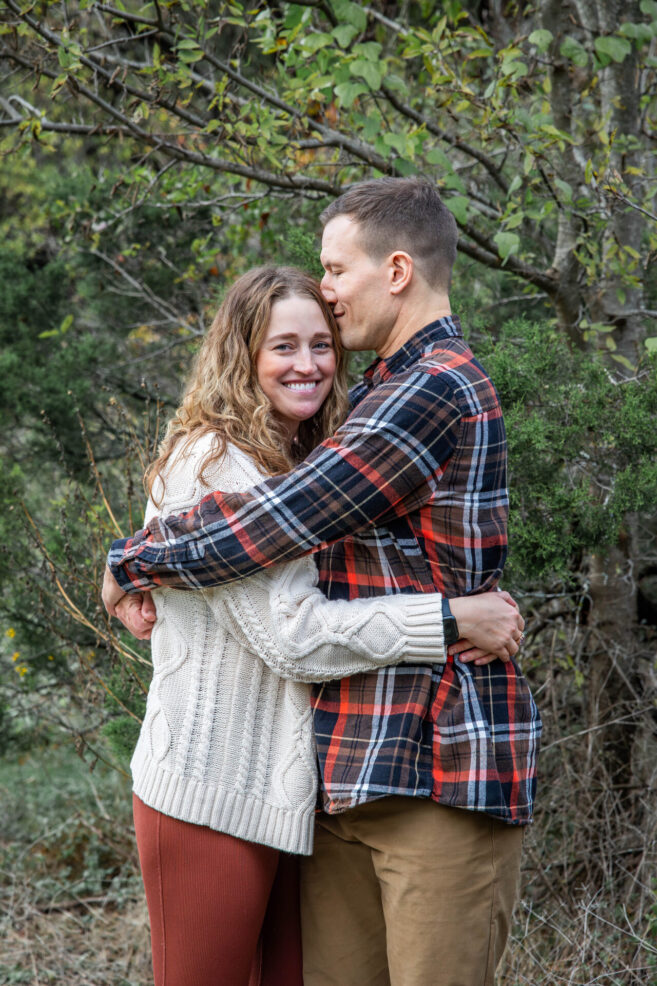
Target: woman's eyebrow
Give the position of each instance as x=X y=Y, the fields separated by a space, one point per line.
x=320 y=333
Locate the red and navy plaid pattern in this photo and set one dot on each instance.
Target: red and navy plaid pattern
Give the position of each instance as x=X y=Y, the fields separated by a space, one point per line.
x=409 y=496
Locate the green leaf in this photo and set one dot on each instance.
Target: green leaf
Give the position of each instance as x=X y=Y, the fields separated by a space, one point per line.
x=515 y=220
x=396 y=83
x=189 y=51
x=455 y=182
x=369 y=71
x=624 y=361
x=348 y=92
x=480 y=53
x=396 y=141
x=649 y=7
x=511 y=66
x=565 y=189
x=615 y=48
x=574 y=51
x=458 y=205
x=368 y=49
x=515 y=185
x=641 y=33
x=57 y=85
x=651 y=344
x=507 y=244
x=438 y=156
x=344 y=34
x=405 y=167
x=351 y=13
x=68 y=56
x=541 y=39
x=316 y=41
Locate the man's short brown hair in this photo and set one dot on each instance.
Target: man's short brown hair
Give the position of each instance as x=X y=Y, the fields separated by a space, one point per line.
x=402 y=214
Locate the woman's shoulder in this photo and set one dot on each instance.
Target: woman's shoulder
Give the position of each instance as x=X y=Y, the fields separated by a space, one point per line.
x=238 y=469
x=209 y=461
x=193 y=471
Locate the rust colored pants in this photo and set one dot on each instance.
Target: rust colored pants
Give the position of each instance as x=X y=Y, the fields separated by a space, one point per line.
x=223 y=912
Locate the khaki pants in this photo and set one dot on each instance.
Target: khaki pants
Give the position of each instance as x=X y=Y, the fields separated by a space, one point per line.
x=407 y=892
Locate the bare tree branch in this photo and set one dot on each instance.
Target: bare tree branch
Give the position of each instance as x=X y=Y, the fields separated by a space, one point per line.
x=176 y=151
x=472 y=152
x=512 y=264
x=334 y=138
x=111 y=78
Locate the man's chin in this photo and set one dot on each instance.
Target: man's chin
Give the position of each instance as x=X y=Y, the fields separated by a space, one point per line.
x=349 y=340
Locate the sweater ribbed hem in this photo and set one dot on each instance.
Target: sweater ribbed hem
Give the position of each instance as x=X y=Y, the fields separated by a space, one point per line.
x=422 y=619
x=237 y=814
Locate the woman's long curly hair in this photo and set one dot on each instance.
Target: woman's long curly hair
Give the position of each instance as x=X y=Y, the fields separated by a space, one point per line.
x=223 y=396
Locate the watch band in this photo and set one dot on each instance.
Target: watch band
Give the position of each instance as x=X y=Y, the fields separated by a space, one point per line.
x=450 y=626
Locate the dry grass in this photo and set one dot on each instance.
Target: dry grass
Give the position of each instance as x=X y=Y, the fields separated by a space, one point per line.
x=72 y=909
x=91 y=944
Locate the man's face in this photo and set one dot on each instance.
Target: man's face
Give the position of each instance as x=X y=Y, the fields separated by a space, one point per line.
x=357 y=287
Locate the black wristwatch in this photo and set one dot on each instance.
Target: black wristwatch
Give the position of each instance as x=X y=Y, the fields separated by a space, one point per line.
x=450 y=626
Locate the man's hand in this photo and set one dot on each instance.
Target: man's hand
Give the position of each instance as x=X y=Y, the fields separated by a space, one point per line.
x=112 y=592
x=137 y=614
x=490 y=626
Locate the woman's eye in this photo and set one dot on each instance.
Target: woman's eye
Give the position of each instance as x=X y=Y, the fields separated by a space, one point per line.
x=323 y=346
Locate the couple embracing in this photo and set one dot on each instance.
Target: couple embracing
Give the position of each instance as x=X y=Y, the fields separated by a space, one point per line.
x=338 y=687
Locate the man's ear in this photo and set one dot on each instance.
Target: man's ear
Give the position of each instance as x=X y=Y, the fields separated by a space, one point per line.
x=400 y=267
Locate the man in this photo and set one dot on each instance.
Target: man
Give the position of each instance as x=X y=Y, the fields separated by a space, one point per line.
x=405 y=886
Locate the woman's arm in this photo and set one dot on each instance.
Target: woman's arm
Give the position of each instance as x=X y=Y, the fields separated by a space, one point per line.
x=284 y=619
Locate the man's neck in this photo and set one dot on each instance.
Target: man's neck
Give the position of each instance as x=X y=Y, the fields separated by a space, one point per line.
x=411 y=320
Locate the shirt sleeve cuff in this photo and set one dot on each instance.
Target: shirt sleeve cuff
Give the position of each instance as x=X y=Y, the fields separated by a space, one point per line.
x=119 y=555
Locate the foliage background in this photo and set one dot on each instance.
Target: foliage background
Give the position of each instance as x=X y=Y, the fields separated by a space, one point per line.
x=151 y=153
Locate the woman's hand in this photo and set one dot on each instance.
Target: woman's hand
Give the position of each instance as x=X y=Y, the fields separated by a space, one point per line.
x=490 y=626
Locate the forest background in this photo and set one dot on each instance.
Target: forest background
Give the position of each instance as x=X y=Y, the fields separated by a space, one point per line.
x=150 y=154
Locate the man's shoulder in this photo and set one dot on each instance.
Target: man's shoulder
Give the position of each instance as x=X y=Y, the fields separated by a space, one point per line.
x=447 y=372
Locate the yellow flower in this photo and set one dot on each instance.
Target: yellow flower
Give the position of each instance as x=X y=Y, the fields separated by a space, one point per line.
x=22 y=670
x=15 y=655
x=11 y=633
x=50 y=657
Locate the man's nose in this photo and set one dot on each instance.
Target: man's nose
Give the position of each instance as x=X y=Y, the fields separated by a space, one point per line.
x=326 y=287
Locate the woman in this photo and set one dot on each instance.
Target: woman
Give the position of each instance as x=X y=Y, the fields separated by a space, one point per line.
x=224 y=770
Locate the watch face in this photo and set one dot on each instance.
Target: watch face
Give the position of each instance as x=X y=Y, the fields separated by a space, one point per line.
x=450 y=626
x=451 y=631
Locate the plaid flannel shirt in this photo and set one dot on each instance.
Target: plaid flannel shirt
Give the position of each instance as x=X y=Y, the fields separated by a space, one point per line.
x=408 y=496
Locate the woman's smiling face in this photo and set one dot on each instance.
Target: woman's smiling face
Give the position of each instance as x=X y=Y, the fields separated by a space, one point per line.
x=296 y=362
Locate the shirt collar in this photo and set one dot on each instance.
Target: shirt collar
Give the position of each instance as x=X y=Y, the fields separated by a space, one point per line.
x=420 y=344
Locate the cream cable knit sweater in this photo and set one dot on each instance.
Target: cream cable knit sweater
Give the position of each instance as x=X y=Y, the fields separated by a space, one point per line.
x=227 y=738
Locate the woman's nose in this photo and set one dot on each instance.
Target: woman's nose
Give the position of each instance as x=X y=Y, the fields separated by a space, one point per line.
x=304 y=361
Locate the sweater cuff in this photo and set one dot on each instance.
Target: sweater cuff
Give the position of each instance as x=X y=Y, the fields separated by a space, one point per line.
x=422 y=619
